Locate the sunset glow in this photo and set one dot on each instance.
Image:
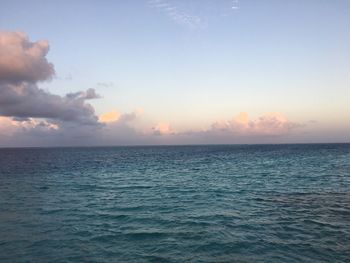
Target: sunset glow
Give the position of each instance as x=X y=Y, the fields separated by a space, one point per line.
x=229 y=74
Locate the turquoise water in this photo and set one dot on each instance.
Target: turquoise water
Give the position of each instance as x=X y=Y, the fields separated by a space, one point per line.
x=267 y=203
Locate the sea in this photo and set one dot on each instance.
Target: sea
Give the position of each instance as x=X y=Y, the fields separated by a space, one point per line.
x=208 y=203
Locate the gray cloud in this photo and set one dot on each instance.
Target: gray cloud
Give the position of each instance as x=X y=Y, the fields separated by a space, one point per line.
x=22 y=65
x=26 y=100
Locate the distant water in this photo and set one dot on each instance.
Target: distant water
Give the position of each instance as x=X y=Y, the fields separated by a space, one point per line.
x=267 y=203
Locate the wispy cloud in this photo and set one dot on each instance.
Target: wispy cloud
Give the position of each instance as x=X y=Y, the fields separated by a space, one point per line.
x=176 y=14
x=195 y=14
x=109 y=84
x=235 y=4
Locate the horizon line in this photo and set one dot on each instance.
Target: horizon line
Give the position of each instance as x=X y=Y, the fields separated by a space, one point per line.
x=169 y=145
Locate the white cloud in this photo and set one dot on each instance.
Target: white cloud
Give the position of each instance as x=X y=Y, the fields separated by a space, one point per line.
x=180 y=17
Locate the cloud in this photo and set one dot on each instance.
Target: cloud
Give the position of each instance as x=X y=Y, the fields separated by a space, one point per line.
x=7 y=126
x=22 y=60
x=22 y=65
x=268 y=128
x=14 y=130
x=235 y=4
x=195 y=14
x=41 y=132
x=26 y=100
x=271 y=124
x=31 y=116
x=111 y=116
x=163 y=128
x=124 y=129
x=178 y=16
x=105 y=84
x=240 y=129
x=89 y=94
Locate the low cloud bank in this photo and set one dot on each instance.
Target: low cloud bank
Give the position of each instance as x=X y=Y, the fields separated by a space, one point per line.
x=270 y=124
x=31 y=116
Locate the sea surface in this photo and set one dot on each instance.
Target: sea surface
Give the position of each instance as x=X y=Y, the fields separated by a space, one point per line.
x=238 y=203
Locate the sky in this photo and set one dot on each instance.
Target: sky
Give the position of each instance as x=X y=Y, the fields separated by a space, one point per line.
x=174 y=72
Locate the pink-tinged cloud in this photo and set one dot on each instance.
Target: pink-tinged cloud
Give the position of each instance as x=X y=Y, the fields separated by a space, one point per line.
x=111 y=116
x=23 y=60
x=22 y=65
x=267 y=125
x=125 y=130
x=32 y=116
x=10 y=126
x=7 y=126
x=163 y=128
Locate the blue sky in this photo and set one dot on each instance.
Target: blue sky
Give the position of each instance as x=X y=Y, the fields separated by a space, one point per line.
x=192 y=63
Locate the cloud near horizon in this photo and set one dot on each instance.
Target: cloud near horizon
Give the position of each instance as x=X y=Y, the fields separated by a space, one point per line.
x=237 y=130
x=163 y=128
x=20 y=131
x=120 y=129
x=271 y=124
x=31 y=116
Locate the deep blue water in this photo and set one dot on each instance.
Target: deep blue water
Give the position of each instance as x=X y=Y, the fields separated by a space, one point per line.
x=257 y=203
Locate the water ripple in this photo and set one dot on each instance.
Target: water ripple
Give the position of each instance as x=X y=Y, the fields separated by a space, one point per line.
x=270 y=203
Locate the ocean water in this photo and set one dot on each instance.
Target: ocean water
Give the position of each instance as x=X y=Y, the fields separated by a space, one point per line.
x=252 y=203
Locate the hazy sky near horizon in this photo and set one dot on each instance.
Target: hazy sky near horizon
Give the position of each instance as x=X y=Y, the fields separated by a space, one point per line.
x=163 y=71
